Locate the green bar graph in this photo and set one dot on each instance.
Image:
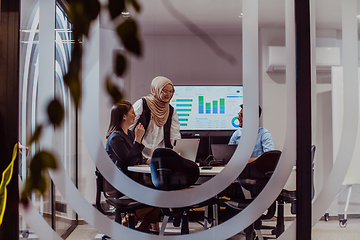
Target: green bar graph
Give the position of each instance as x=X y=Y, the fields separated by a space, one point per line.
x=215 y=106
x=222 y=105
x=208 y=108
x=201 y=104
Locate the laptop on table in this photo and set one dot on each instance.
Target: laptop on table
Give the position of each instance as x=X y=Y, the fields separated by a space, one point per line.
x=223 y=152
x=187 y=148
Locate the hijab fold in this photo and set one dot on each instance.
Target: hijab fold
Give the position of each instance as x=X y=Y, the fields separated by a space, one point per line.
x=159 y=109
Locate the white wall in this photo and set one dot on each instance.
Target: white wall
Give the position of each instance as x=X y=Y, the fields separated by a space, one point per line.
x=184 y=59
x=272 y=88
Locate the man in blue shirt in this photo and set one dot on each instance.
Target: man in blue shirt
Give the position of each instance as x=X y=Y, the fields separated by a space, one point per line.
x=263 y=144
x=264 y=140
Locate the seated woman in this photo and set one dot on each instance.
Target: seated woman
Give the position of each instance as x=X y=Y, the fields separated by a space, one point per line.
x=124 y=148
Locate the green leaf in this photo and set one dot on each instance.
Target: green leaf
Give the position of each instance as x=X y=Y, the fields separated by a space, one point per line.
x=114 y=92
x=36 y=180
x=28 y=188
x=41 y=161
x=92 y=8
x=5 y=180
x=40 y=184
x=116 y=7
x=55 y=112
x=48 y=160
x=127 y=31
x=120 y=65
x=36 y=135
x=72 y=77
x=75 y=88
x=135 y=5
x=81 y=14
x=80 y=20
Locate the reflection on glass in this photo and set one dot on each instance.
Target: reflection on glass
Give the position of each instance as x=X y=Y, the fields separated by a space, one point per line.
x=29 y=36
x=64 y=138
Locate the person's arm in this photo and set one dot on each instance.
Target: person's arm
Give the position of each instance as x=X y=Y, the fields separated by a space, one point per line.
x=175 y=128
x=139 y=133
x=138 y=108
x=123 y=155
x=234 y=138
x=267 y=142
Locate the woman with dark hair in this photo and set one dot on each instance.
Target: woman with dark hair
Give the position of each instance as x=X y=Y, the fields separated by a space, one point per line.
x=124 y=148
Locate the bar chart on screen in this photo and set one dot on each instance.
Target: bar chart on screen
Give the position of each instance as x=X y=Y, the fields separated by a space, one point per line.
x=207 y=107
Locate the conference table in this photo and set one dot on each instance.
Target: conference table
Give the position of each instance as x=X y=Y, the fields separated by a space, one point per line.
x=204 y=172
x=144 y=168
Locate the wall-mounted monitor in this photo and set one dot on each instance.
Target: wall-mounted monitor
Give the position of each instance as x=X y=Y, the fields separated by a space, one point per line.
x=207 y=107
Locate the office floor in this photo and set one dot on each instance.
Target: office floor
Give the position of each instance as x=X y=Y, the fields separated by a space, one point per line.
x=322 y=231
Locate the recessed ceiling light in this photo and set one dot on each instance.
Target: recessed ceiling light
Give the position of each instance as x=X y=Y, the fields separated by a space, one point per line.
x=125 y=14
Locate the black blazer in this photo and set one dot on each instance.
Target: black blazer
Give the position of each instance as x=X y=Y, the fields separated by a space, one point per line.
x=123 y=150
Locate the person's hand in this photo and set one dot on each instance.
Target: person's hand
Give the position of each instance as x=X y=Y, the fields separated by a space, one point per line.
x=139 y=132
x=148 y=161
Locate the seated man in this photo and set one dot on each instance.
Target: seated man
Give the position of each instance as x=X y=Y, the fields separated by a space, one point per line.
x=264 y=140
x=263 y=144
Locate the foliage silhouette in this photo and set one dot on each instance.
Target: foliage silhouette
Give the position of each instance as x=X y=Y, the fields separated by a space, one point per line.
x=81 y=14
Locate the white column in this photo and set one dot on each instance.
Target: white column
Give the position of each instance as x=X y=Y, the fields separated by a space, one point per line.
x=289 y=149
x=46 y=66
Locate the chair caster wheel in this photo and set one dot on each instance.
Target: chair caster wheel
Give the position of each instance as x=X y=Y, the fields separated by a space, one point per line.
x=326 y=217
x=25 y=233
x=343 y=223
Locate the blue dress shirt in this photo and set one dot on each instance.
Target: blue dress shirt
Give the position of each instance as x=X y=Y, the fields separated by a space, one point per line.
x=263 y=143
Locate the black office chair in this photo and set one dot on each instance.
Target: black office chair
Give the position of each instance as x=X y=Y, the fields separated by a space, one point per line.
x=254 y=178
x=170 y=171
x=287 y=196
x=121 y=203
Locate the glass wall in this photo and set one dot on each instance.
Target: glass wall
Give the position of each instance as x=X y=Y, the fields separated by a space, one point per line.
x=261 y=37
x=52 y=206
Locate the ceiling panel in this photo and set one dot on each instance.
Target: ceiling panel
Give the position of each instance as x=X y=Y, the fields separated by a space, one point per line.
x=222 y=17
